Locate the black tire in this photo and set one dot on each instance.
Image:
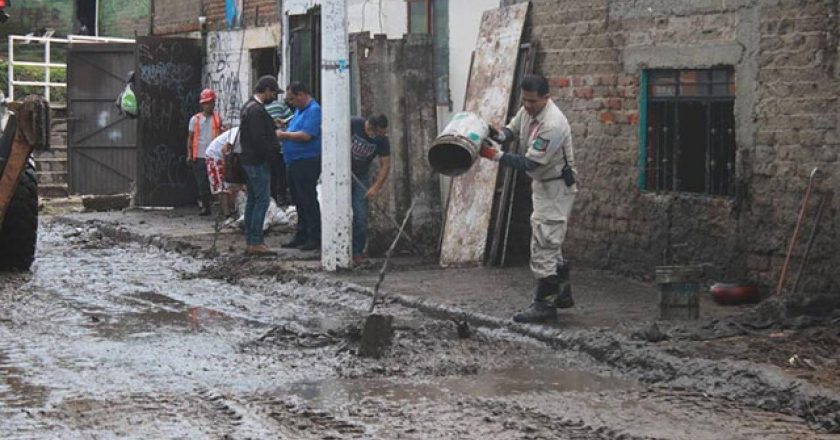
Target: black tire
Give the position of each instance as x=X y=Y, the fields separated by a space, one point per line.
x=20 y=226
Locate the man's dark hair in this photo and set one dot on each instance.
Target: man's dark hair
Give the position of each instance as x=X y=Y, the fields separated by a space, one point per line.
x=267 y=82
x=297 y=88
x=378 y=121
x=535 y=83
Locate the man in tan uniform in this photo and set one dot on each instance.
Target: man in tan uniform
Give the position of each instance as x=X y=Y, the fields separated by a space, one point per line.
x=549 y=161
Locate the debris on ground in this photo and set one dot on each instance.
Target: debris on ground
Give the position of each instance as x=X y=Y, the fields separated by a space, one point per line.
x=112 y=202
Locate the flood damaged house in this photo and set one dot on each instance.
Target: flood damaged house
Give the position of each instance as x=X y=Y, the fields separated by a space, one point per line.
x=696 y=126
x=696 y=123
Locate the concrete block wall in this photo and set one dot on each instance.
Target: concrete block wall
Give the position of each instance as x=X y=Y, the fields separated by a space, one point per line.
x=785 y=58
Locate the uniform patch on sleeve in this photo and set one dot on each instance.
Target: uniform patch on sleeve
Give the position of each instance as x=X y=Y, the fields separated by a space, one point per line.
x=540 y=144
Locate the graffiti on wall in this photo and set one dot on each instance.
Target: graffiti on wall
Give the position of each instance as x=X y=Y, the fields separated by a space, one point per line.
x=227 y=73
x=168 y=85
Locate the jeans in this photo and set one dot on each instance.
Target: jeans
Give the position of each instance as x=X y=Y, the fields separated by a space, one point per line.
x=258 y=182
x=360 y=214
x=199 y=168
x=278 y=176
x=303 y=177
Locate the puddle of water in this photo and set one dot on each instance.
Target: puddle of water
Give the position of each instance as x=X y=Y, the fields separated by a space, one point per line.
x=149 y=322
x=496 y=383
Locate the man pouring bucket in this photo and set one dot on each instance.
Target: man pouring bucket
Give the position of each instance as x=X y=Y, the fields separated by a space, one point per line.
x=549 y=162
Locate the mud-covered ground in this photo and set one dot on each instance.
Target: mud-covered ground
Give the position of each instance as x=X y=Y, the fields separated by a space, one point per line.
x=109 y=339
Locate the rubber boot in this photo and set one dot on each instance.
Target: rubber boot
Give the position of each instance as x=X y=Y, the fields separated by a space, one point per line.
x=541 y=309
x=564 y=299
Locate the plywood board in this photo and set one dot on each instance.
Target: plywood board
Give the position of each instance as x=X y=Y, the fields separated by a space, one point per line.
x=488 y=94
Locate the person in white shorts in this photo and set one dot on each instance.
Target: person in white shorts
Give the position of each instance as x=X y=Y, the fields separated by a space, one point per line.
x=216 y=170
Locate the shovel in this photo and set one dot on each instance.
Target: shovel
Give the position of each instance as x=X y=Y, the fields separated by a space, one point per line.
x=378 y=330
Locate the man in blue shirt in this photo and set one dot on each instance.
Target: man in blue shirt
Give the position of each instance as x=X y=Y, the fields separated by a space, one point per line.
x=369 y=142
x=302 y=153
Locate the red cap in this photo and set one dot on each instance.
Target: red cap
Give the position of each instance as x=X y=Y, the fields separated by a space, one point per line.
x=206 y=95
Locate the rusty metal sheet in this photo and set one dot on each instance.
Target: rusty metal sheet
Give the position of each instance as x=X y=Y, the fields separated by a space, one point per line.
x=488 y=94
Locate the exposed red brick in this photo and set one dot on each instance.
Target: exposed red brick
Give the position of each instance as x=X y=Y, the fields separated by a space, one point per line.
x=559 y=81
x=607 y=118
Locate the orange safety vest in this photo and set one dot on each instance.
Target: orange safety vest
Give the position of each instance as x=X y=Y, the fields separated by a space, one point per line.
x=216 y=130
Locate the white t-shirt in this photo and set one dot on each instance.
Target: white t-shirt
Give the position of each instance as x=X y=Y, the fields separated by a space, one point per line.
x=214 y=150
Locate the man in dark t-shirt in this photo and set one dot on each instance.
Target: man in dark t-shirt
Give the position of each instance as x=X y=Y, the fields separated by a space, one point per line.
x=369 y=141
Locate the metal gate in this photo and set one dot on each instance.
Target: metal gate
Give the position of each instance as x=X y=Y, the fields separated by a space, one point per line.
x=102 y=145
x=168 y=83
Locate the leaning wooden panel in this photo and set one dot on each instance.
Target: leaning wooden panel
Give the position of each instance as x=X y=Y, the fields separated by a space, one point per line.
x=488 y=95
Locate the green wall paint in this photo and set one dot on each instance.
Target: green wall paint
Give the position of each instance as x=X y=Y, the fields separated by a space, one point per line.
x=119 y=18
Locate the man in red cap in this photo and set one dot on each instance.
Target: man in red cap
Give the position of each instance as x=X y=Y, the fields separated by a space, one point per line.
x=204 y=126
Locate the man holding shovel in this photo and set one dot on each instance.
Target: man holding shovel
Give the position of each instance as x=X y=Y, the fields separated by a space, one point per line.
x=549 y=161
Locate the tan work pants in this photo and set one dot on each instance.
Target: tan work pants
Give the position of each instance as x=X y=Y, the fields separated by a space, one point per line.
x=553 y=202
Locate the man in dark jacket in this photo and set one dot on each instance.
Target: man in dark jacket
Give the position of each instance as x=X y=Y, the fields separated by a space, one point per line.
x=258 y=141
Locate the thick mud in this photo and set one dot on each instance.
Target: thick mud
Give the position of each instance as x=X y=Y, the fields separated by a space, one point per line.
x=108 y=339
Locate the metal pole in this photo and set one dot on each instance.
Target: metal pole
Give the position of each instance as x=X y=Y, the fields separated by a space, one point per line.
x=823 y=200
x=96 y=20
x=47 y=70
x=336 y=237
x=795 y=236
x=11 y=68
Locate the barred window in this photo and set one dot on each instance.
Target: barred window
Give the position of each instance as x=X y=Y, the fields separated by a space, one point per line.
x=689 y=143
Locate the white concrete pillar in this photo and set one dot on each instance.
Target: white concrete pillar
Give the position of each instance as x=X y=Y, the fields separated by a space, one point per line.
x=336 y=212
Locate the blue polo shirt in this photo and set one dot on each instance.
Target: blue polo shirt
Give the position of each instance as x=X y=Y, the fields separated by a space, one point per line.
x=307 y=120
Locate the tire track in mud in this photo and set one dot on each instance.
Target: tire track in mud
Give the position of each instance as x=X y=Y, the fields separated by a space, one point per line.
x=750 y=384
x=279 y=417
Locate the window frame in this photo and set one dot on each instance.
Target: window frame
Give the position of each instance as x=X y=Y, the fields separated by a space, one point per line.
x=713 y=186
x=429 y=16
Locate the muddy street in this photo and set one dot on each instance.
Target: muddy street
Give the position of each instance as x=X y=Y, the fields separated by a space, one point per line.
x=119 y=340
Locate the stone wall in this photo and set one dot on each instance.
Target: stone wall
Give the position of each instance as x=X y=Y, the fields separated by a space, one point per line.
x=784 y=54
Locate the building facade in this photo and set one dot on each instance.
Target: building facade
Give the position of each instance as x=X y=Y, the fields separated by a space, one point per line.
x=696 y=126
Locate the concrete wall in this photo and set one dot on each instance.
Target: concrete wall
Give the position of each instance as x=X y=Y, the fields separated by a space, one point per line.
x=387 y=17
x=393 y=78
x=228 y=65
x=784 y=53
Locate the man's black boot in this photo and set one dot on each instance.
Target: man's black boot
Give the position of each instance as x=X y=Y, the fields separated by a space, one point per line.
x=564 y=299
x=541 y=309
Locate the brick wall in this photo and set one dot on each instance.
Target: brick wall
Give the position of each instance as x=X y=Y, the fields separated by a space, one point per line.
x=785 y=59
x=177 y=16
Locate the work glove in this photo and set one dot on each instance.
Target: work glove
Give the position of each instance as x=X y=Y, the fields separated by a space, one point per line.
x=502 y=137
x=490 y=153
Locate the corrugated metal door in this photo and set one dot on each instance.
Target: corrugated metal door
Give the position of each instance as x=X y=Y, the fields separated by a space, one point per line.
x=102 y=144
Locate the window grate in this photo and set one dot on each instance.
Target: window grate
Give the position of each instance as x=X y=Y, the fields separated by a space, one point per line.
x=690 y=138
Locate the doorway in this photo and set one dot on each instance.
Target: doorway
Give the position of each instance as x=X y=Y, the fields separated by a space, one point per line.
x=305 y=50
x=264 y=61
x=86 y=17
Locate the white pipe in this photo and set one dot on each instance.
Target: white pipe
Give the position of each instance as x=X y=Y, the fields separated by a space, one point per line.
x=96 y=20
x=336 y=211
x=47 y=71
